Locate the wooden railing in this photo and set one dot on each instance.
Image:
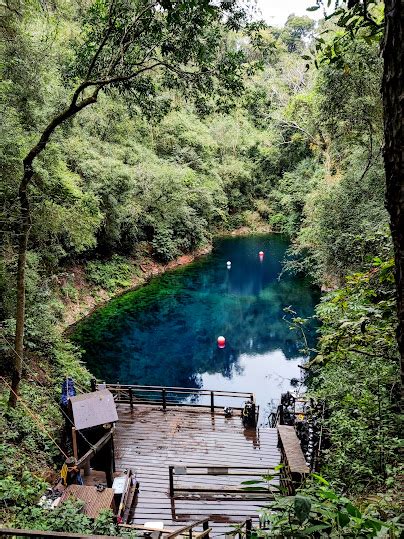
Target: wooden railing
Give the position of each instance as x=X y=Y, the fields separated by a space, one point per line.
x=276 y=418
x=294 y=468
x=177 y=396
x=226 y=471
x=242 y=530
x=14 y=532
x=189 y=529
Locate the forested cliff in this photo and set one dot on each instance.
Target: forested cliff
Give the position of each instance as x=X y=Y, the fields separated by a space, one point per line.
x=278 y=139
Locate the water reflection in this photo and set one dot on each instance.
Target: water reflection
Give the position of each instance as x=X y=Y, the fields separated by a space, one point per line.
x=165 y=333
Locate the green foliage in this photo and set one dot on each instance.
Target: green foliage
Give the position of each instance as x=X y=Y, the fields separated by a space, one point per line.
x=110 y=275
x=299 y=150
x=355 y=373
x=20 y=492
x=319 y=511
x=69 y=517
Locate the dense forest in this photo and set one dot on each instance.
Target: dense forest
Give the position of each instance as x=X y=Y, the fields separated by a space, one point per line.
x=229 y=124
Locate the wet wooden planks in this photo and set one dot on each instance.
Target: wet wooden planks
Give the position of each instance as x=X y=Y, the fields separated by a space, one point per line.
x=148 y=440
x=293 y=450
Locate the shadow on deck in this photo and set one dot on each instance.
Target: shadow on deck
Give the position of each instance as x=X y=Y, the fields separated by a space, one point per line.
x=149 y=440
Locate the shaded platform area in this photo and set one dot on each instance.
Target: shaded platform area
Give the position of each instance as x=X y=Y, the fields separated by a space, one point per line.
x=210 y=456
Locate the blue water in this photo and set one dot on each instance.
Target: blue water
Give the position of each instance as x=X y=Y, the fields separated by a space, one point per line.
x=166 y=332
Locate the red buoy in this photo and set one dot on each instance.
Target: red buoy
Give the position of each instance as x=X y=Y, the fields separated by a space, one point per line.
x=261 y=254
x=221 y=341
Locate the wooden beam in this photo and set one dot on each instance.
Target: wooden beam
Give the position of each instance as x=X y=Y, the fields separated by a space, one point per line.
x=96 y=447
x=7 y=532
x=293 y=450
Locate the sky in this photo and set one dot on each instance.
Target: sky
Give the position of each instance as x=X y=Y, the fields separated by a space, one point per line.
x=275 y=12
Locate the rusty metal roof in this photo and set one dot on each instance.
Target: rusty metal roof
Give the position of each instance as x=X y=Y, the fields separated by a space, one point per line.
x=92 y=409
x=94 y=501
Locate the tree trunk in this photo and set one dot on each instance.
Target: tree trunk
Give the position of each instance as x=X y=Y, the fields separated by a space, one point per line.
x=22 y=259
x=25 y=226
x=393 y=102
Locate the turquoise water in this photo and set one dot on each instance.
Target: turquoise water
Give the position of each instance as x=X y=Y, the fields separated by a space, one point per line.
x=166 y=332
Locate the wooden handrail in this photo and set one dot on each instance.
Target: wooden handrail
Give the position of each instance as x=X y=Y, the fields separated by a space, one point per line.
x=179 y=389
x=219 y=470
x=188 y=527
x=7 y=532
x=169 y=396
x=139 y=527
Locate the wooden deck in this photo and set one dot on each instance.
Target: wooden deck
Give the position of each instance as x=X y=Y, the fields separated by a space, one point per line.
x=149 y=440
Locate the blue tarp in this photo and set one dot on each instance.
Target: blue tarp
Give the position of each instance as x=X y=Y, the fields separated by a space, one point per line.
x=68 y=390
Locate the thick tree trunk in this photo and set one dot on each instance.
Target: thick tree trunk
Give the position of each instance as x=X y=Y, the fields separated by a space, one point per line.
x=22 y=259
x=25 y=226
x=393 y=102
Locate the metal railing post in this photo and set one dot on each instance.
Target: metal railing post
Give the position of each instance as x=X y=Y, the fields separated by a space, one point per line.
x=131 y=398
x=212 y=402
x=171 y=480
x=248 y=528
x=164 y=397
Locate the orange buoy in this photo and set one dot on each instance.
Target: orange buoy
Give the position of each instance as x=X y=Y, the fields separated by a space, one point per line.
x=221 y=341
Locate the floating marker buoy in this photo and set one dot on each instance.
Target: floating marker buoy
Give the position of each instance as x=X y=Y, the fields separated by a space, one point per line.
x=228 y=264
x=221 y=341
x=261 y=253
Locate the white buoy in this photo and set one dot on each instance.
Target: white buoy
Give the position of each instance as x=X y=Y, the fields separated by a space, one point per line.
x=228 y=264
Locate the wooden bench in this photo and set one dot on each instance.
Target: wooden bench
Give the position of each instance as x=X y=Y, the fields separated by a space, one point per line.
x=295 y=466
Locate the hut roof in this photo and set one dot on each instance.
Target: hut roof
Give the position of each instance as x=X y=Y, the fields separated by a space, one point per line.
x=93 y=409
x=94 y=501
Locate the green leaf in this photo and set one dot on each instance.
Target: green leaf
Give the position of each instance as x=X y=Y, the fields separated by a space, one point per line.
x=320 y=479
x=328 y=494
x=313 y=8
x=374 y=524
x=343 y=519
x=353 y=511
x=316 y=528
x=302 y=506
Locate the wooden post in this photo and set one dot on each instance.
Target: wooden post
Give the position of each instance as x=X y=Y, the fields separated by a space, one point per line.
x=74 y=442
x=253 y=413
x=109 y=472
x=87 y=469
x=205 y=526
x=171 y=480
x=281 y=414
x=248 y=528
x=113 y=454
x=131 y=399
x=212 y=402
x=164 y=396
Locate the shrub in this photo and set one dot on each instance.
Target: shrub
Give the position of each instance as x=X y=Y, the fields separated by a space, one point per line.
x=110 y=275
